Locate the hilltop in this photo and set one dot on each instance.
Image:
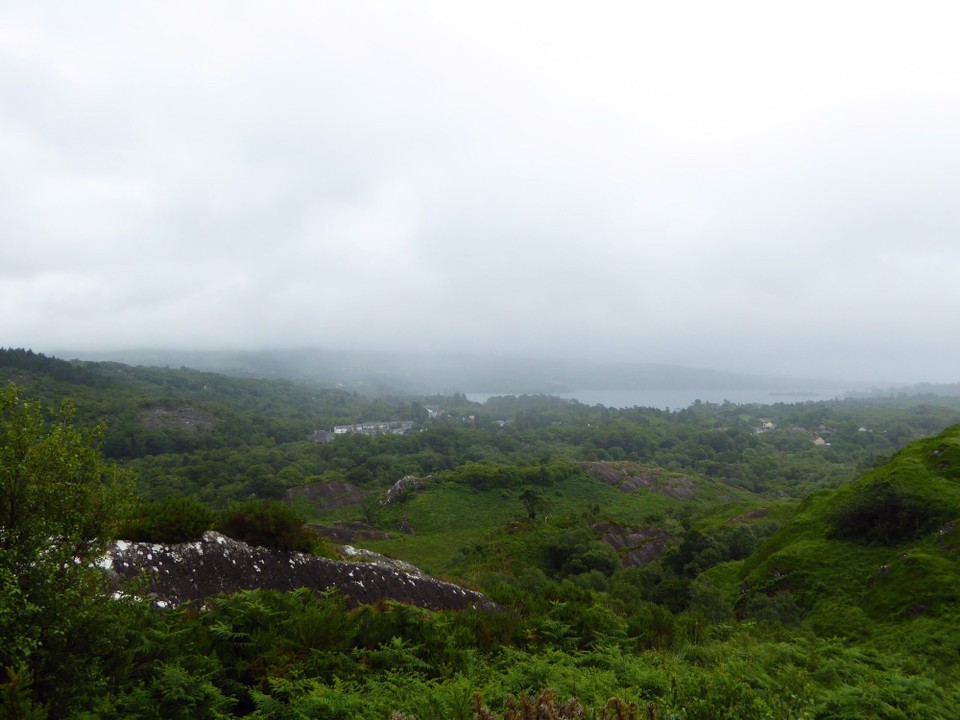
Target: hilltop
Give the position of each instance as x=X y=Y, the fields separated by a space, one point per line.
x=882 y=548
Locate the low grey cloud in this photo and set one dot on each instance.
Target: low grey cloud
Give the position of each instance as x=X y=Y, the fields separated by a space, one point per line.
x=743 y=187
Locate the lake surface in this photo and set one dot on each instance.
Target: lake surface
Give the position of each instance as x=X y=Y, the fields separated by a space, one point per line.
x=679 y=399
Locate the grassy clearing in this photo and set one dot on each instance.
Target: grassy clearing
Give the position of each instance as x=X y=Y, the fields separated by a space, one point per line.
x=448 y=517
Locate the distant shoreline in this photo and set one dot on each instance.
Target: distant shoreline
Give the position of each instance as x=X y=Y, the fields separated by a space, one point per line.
x=679 y=399
x=797 y=393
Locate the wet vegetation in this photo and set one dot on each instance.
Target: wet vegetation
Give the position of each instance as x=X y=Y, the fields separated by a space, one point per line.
x=712 y=562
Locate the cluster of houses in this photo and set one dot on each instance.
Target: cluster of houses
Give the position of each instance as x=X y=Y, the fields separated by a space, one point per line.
x=378 y=427
x=390 y=427
x=816 y=439
x=383 y=427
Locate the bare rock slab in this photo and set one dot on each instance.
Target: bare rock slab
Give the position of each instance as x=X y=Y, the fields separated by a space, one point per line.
x=217 y=565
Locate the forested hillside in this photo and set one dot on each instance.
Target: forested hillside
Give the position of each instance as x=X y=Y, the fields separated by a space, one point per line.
x=719 y=561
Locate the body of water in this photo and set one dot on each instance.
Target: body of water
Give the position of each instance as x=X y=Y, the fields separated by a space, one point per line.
x=679 y=399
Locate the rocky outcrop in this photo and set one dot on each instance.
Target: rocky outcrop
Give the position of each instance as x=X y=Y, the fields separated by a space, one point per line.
x=401 y=487
x=327 y=495
x=368 y=556
x=183 y=417
x=174 y=574
x=632 y=477
x=344 y=531
x=637 y=546
x=754 y=514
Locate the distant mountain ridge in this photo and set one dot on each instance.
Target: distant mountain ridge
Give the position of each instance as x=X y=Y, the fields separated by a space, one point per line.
x=379 y=373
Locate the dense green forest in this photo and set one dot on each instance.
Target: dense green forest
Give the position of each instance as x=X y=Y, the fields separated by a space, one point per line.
x=718 y=561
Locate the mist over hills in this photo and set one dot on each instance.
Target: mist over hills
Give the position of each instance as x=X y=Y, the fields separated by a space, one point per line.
x=378 y=373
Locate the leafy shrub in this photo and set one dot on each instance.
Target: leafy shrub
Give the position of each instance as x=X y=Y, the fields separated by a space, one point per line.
x=491 y=476
x=885 y=512
x=780 y=608
x=831 y=619
x=651 y=626
x=741 y=542
x=707 y=599
x=576 y=551
x=175 y=520
x=268 y=523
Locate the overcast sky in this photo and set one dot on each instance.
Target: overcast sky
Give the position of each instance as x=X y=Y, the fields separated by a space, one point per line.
x=765 y=187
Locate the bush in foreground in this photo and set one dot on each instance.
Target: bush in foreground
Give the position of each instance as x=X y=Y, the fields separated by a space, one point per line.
x=174 y=520
x=271 y=524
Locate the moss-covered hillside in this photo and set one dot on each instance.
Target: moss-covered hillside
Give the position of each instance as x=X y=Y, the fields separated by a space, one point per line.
x=883 y=548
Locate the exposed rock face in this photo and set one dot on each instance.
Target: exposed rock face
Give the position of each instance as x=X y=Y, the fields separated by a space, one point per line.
x=368 y=556
x=406 y=484
x=348 y=532
x=184 y=417
x=630 y=477
x=327 y=495
x=220 y=565
x=754 y=514
x=641 y=544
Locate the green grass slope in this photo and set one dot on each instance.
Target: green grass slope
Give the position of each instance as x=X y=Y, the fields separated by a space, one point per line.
x=881 y=549
x=450 y=516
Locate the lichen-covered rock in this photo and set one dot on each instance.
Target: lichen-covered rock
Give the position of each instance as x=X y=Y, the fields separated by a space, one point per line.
x=401 y=487
x=217 y=565
x=368 y=556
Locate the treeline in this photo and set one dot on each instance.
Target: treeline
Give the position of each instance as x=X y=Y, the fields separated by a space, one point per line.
x=234 y=412
x=717 y=443
x=61 y=370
